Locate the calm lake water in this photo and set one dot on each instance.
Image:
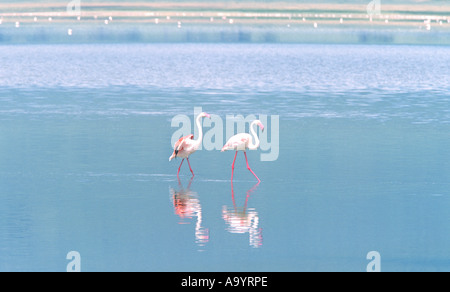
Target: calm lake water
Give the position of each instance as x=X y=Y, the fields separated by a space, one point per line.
x=363 y=165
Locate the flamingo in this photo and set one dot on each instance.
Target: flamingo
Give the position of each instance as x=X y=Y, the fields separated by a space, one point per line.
x=186 y=146
x=241 y=142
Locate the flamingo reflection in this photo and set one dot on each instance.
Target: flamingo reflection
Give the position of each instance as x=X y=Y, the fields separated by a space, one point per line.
x=187 y=205
x=243 y=219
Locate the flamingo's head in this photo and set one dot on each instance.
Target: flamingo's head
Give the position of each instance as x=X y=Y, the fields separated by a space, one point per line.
x=205 y=115
x=258 y=122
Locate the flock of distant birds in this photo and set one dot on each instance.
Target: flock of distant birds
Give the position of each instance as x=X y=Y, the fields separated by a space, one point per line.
x=423 y=21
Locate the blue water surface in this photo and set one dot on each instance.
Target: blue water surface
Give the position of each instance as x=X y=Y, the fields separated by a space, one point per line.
x=363 y=164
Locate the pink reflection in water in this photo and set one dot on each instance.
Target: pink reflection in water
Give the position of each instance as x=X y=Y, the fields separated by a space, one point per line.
x=187 y=206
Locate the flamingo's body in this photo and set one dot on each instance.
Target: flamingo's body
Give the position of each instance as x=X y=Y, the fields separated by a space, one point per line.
x=242 y=142
x=186 y=146
x=239 y=142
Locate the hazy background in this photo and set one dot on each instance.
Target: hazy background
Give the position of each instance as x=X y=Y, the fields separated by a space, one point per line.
x=333 y=22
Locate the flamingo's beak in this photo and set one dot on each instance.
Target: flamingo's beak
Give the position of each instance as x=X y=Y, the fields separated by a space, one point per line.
x=208 y=115
x=262 y=127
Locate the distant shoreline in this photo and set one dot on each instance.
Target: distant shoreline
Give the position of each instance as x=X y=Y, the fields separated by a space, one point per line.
x=245 y=10
x=224 y=22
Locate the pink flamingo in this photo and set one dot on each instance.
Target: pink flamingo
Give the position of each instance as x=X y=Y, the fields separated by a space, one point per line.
x=241 y=142
x=186 y=146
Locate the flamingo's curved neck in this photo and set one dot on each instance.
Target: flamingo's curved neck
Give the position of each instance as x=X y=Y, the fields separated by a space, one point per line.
x=200 y=132
x=254 y=146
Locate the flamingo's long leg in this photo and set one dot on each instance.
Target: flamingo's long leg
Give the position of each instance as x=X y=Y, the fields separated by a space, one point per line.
x=179 y=183
x=232 y=195
x=232 y=167
x=190 y=182
x=248 y=167
x=180 y=167
x=190 y=167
